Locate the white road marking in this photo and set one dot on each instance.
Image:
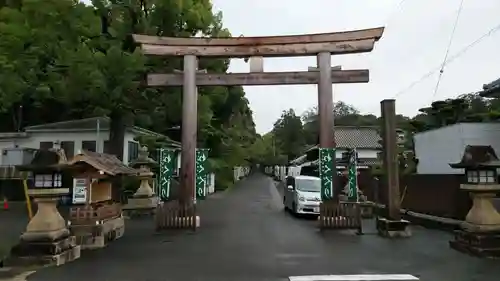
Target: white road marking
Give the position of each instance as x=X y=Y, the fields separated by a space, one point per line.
x=354 y=277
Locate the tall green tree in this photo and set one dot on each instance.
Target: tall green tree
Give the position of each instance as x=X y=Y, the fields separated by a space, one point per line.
x=288 y=133
x=62 y=59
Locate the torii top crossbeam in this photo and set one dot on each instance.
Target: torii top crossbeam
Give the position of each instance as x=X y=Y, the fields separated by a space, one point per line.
x=336 y=43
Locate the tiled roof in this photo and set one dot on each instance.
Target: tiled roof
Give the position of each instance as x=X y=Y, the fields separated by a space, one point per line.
x=91 y=124
x=87 y=123
x=107 y=163
x=356 y=137
x=491 y=89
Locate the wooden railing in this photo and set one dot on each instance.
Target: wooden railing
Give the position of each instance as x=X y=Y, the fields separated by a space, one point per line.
x=174 y=215
x=341 y=215
x=89 y=214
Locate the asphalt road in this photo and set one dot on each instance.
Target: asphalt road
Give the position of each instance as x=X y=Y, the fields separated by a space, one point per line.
x=245 y=235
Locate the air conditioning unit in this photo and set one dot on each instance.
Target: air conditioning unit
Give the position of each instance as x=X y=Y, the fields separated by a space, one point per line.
x=15 y=156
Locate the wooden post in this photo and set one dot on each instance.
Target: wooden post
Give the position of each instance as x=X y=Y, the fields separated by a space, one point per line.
x=189 y=129
x=390 y=160
x=325 y=101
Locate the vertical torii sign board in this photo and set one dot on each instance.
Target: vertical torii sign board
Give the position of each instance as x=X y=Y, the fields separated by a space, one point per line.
x=321 y=45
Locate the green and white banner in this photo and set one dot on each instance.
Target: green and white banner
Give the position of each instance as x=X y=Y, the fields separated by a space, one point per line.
x=201 y=173
x=327 y=172
x=352 y=176
x=167 y=161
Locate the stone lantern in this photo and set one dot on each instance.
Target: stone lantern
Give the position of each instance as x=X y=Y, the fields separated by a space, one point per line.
x=47 y=240
x=480 y=232
x=144 y=200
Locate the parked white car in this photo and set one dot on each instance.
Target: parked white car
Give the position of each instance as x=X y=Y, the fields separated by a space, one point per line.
x=302 y=194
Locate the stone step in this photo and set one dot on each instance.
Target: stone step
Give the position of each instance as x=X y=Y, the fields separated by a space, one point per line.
x=43 y=260
x=474 y=250
x=36 y=248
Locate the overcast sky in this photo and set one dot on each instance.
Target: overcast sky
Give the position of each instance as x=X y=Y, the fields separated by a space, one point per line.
x=414 y=43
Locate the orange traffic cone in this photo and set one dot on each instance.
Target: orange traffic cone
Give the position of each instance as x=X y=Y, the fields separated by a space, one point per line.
x=5 y=203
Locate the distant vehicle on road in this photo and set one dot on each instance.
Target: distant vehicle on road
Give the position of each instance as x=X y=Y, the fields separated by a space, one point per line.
x=302 y=195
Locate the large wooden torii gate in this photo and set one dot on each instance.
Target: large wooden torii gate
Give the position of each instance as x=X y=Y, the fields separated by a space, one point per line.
x=321 y=45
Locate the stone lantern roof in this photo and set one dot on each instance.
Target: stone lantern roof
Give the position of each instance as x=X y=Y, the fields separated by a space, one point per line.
x=143 y=159
x=46 y=161
x=476 y=157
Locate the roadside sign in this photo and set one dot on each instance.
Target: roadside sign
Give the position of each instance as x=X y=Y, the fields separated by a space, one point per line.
x=167 y=167
x=352 y=176
x=327 y=172
x=201 y=172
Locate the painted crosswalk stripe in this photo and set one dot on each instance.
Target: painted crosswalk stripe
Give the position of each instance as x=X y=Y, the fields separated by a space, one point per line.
x=355 y=277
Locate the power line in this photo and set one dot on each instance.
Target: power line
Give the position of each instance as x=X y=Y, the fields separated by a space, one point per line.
x=448 y=48
x=395 y=11
x=450 y=59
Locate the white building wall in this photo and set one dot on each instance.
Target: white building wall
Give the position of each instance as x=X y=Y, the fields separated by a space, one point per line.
x=33 y=141
x=362 y=153
x=436 y=149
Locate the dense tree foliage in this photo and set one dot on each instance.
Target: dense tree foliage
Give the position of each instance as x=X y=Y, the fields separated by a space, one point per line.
x=63 y=59
x=465 y=108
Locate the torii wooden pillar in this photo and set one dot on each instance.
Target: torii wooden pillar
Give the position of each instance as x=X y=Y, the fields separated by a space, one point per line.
x=321 y=45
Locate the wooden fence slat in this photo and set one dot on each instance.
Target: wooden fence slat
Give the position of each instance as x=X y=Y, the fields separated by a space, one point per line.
x=173 y=215
x=341 y=215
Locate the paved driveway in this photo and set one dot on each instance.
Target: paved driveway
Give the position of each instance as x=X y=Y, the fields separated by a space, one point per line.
x=245 y=235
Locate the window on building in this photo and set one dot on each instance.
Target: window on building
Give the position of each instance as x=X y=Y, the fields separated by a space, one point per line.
x=89 y=145
x=69 y=148
x=46 y=145
x=133 y=150
x=107 y=147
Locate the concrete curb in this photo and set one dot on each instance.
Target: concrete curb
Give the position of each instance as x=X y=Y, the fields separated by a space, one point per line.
x=428 y=221
x=15 y=274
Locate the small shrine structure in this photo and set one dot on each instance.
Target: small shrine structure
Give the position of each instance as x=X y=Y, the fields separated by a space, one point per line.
x=98 y=220
x=47 y=240
x=480 y=232
x=144 y=200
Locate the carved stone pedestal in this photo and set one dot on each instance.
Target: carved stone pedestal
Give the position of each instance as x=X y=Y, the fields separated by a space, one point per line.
x=46 y=241
x=143 y=202
x=393 y=228
x=138 y=207
x=480 y=233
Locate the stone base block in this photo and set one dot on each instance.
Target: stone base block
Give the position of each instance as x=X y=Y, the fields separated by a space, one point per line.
x=98 y=236
x=141 y=203
x=139 y=213
x=393 y=228
x=43 y=253
x=366 y=210
x=480 y=244
x=476 y=228
x=44 y=235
